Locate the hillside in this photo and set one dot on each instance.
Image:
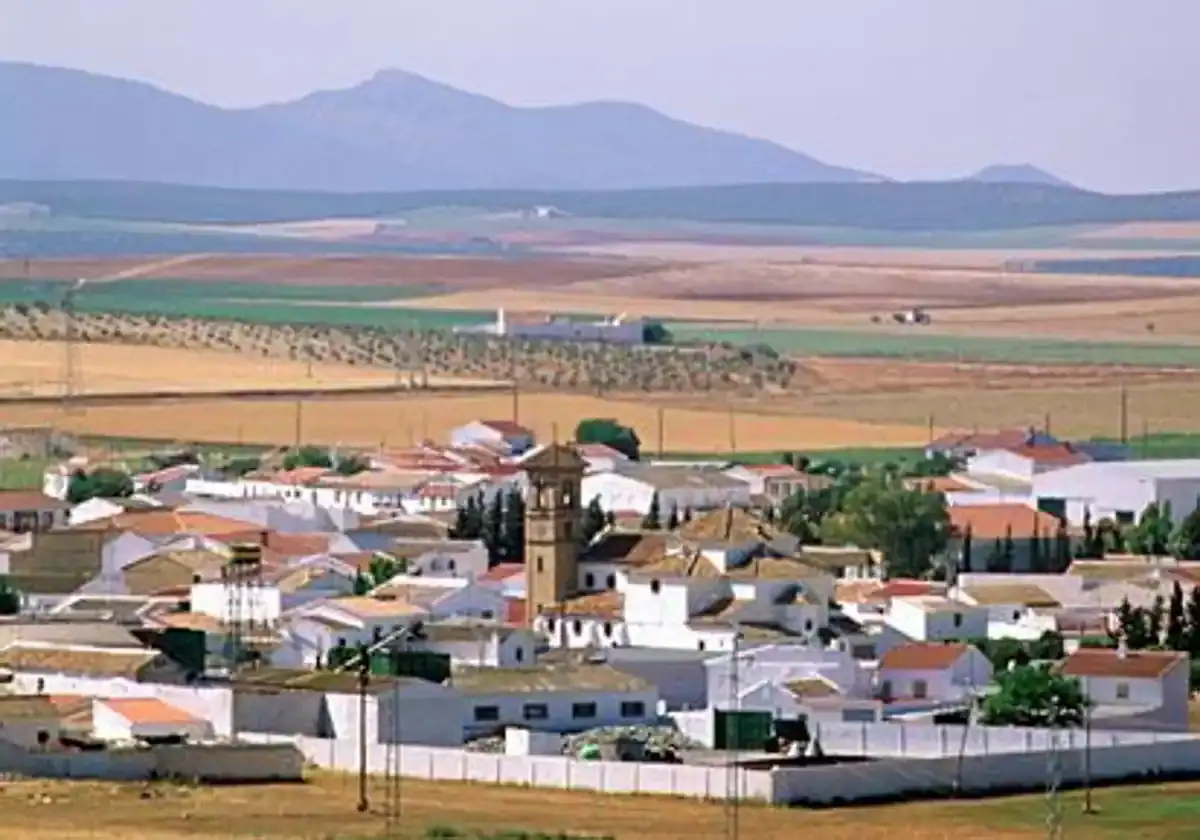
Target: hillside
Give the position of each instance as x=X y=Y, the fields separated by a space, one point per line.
x=396 y=131
x=1018 y=173
x=940 y=206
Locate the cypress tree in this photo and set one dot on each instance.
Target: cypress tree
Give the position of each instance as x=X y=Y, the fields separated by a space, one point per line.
x=1176 y=638
x=652 y=521
x=493 y=528
x=673 y=519
x=965 y=560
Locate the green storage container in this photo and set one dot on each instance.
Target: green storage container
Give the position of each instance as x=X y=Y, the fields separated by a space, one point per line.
x=743 y=730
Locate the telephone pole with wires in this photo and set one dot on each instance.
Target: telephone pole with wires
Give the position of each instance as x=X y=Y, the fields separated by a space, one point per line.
x=732 y=776
x=1054 y=805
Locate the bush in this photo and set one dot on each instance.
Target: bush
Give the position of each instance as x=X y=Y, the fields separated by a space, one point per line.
x=656 y=333
x=610 y=433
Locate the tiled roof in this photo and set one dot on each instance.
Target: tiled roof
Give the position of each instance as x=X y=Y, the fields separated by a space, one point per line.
x=1024 y=594
x=502 y=571
x=1133 y=664
x=994 y=522
x=516 y=611
x=811 y=688
x=362 y=606
x=922 y=657
x=148 y=710
x=1060 y=455
x=507 y=428
x=610 y=605
x=27 y=707
x=545 y=678
x=170 y=522
x=980 y=441
x=92 y=663
x=939 y=484
x=412 y=593
x=31 y=500
x=727 y=525
x=341 y=682
x=626 y=547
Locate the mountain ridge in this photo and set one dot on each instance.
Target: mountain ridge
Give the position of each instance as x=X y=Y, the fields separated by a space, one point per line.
x=395 y=131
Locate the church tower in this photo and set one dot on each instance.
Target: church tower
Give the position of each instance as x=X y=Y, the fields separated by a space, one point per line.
x=552 y=523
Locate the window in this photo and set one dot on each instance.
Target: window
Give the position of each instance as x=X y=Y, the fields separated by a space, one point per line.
x=885 y=689
x=535 y=711
x=700 y=645
x=808 y=625
x=1124 y=517
x=608 y=628
x=519 y=654
x=539 y=564
x=488 y=614
x=1016 y=615
x=569 y=530
x=450 y=564
x=583 y=710
x=577 y=627
x=655 y=587
x=958 y=619
x=589 y=581
x=633 y=709
x=550 y=624
x=487 y=714
x=611 y=581
x=863 y=652
x=920 y=689
x=1122 y=691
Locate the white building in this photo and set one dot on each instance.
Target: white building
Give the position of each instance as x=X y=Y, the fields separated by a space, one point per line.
x=1024 y=462
x=1131 y=689
x=617 y=330
x=1121 y=490
x=258 y=603
x=134 y=718
x=554 y=698
x=368 y=493
x=501 y=435
x=932 y=672
x=631 y=487
x=937 y=619
x=27 y=511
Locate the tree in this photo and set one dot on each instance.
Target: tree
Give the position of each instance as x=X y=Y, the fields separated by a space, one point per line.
x=908 y=527
x=1176 y=633
x=593 y=521
x=1062 y=549
x=352 y=465
x=610 y=433
x=673 y=519
x=1008 y=550
x=1193 y=623
x=965 y=551
x=1092 y=546
x=1152 y=533
x=1036 y=563
x=687 y=513
x=237 y=467
x=652 y=521
x=307 y=456
x=362 y=583
x=492 y=530
x=1034 y=695
x=655 y=333
x=383 y=568
x=995 y=560
x=10 y=598
x=1185 y=541
x=512 y=532
x=100 y=483
x=1155 y=618
x=610 y=519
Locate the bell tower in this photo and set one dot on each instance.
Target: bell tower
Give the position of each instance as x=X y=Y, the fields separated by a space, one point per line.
x=552 y=521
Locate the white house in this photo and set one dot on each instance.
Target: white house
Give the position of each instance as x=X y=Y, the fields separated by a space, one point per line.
x=600 y=457
x=630 y=489
x=741 y=687
x=1015 y=611
x=480 y=644
x=172 y=479
x=512 y=437
x=29 y=721
x=936 y=619
x=777 y=482
x=942 y=673
x=259 y=603
x=134 y=718
x=1121 y=490
x=1133 y=689
x=1024 y=462
x=554 y=698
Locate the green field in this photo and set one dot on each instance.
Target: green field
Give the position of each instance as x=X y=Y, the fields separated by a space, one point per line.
x=23 y=474
x=926 y=347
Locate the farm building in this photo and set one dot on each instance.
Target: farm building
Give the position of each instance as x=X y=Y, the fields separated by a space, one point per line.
x=504 y=435
x=1119 y=490
x=630 y=489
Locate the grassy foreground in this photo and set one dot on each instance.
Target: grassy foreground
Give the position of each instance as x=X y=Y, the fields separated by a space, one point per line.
x=325 y=809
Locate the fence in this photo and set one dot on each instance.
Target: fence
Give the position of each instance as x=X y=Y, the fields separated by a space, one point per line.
x=456 y=765
x=205 y=762
x=895 y=740
x=997 y=772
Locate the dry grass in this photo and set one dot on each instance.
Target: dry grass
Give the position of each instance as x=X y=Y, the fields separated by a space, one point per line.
x=1147 y=230
x=404 y=418
x=33 y=368
x=325 y=808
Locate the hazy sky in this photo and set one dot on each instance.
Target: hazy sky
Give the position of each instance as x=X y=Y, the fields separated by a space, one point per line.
x=1102 y=92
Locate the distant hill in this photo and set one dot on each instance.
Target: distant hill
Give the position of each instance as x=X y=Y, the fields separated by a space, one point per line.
x=933 y=206
x=396 y=131
x=1016 y=173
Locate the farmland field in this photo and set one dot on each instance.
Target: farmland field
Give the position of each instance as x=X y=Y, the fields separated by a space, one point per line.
x=324 y=809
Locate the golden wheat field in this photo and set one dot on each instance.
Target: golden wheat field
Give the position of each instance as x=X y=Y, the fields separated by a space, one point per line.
x=324 y=809
x=38 y=368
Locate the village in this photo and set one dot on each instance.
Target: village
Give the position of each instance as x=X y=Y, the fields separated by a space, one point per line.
x=572 y=614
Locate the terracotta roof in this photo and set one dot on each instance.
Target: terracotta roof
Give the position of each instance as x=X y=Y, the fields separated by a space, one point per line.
x=599 y=450
x=92 y=663
x=1123 y=570
x=148 y=710
x=810 y=688
x=939 y=484
x=771 y=470
x=625 y=547
x=296 y=545
x=992 y=522
x=298 y=476
x=31 y=500
x=502 y=571
x=271 y=680
x=164 y=573
x=1134 y=664
x=1061 y=454
x=27 y=707
x=727 y=525
x=978 y=441
x=159 y=522
x=516 y=611
x=922 y=657
x=1025 y=594
x=610 y=605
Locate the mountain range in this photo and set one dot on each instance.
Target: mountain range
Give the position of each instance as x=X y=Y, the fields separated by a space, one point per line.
x=394 y=132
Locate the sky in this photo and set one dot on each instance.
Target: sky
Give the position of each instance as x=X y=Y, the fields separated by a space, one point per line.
x=1096 y=91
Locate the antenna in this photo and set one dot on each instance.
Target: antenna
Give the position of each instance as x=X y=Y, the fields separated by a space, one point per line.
x=242 y=579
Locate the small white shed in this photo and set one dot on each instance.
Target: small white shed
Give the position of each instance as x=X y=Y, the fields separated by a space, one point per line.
x=132 y=718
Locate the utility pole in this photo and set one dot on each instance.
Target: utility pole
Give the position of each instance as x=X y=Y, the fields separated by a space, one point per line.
x=733 y=727
x=364 y=679
x=1046 y=424
x=299 y=417
x=1087 y=750
x=661 y=432
x=931 y=427
x=1054 y=809
x=732 y=431
x=70 y=338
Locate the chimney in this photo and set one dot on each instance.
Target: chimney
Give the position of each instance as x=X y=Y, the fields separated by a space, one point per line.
x=1122 y=649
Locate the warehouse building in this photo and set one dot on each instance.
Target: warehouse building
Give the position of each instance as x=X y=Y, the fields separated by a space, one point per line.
x=1119 y=490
